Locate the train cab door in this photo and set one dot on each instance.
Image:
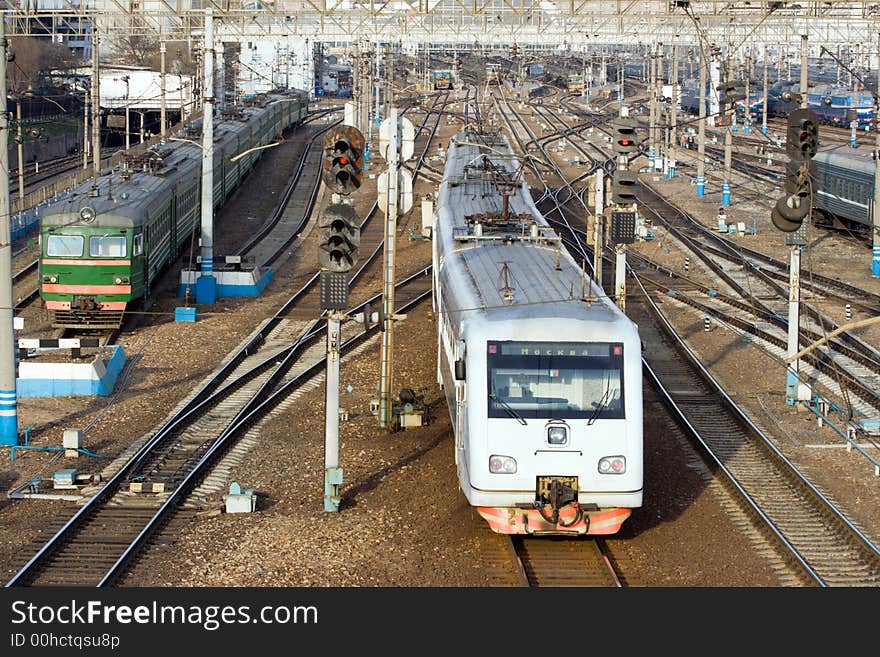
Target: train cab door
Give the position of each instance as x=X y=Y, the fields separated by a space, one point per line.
x=460 y=375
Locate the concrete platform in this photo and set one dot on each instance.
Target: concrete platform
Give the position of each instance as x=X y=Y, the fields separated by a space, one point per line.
x=44 y=378
x=245 y=283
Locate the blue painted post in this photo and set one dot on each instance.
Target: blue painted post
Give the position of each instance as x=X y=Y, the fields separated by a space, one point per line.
x=701 y=185
x=725 y=194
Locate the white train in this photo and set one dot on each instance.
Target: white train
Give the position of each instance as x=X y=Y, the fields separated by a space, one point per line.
x=542 y=373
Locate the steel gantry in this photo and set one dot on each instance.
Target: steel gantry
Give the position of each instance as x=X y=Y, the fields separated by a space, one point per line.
x=566 y=24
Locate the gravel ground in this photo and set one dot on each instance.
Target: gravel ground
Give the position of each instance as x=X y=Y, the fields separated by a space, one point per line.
x=403 y=521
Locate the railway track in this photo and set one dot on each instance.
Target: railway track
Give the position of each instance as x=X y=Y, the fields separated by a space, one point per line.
x=96 y=546
x=556 y=561
x=821 y=546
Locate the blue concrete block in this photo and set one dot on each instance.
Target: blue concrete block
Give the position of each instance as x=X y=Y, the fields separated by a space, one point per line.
x=184 y=314
x=206 y=289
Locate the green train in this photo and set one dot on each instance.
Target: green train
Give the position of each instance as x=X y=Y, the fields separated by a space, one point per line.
x=103 y=247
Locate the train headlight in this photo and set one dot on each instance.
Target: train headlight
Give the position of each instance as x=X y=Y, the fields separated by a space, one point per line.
x=612 y=465
x=502 y=464
x=53 y=279
x=87 y=214
x=557 y=435
x=118 y=280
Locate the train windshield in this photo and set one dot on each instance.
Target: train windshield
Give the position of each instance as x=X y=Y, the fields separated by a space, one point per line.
x=64 y=245
x=556 y=380
x=104 y=247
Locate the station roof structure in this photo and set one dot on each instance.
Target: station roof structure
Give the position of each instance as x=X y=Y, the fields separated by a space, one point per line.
x=464 y=24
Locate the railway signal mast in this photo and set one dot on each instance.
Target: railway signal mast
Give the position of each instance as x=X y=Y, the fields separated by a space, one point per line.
x=624 y=184
x=337 y=253
x=802 y=140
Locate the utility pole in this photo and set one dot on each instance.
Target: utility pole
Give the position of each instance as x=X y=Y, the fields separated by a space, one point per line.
x=20 y=139
x=356 y=85
x=396 y=143
x=747 y=128
x=389 y=73
x=127 y=125
x=766 y=99
x=8 y=408
x=86 y=138
x=597 y=226
x=854 y=122
x=701 y=128
x=206 y=288
x=96 y=108
x=660 y=151
x=163 y=101
x=218 y=90
x=673 y=112
x=392 y=155
x=730 y=111
x=652 y=116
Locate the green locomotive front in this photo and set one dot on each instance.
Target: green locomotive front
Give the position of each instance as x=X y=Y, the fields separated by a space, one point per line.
x=90 y=272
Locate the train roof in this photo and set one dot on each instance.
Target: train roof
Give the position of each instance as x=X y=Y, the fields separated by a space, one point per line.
x=512 y=269
x=121 y=197
x=861 y=162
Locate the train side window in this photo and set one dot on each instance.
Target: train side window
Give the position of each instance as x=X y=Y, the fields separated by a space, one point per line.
x=137 y=247
x=64 y=245
x=107 y=247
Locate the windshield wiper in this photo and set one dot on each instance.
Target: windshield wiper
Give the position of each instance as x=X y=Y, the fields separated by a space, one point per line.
x=603 y=403
x=508 y=408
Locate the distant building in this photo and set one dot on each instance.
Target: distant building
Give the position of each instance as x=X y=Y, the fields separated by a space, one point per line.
x=71 y=31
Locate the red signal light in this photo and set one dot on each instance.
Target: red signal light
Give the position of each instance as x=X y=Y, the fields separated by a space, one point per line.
x=343 y=160
x=625 y=142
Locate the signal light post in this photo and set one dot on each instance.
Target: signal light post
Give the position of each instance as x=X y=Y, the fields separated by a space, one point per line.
x=337 y=253
x=701 y=127
x=624 y=184
x=802 y=140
